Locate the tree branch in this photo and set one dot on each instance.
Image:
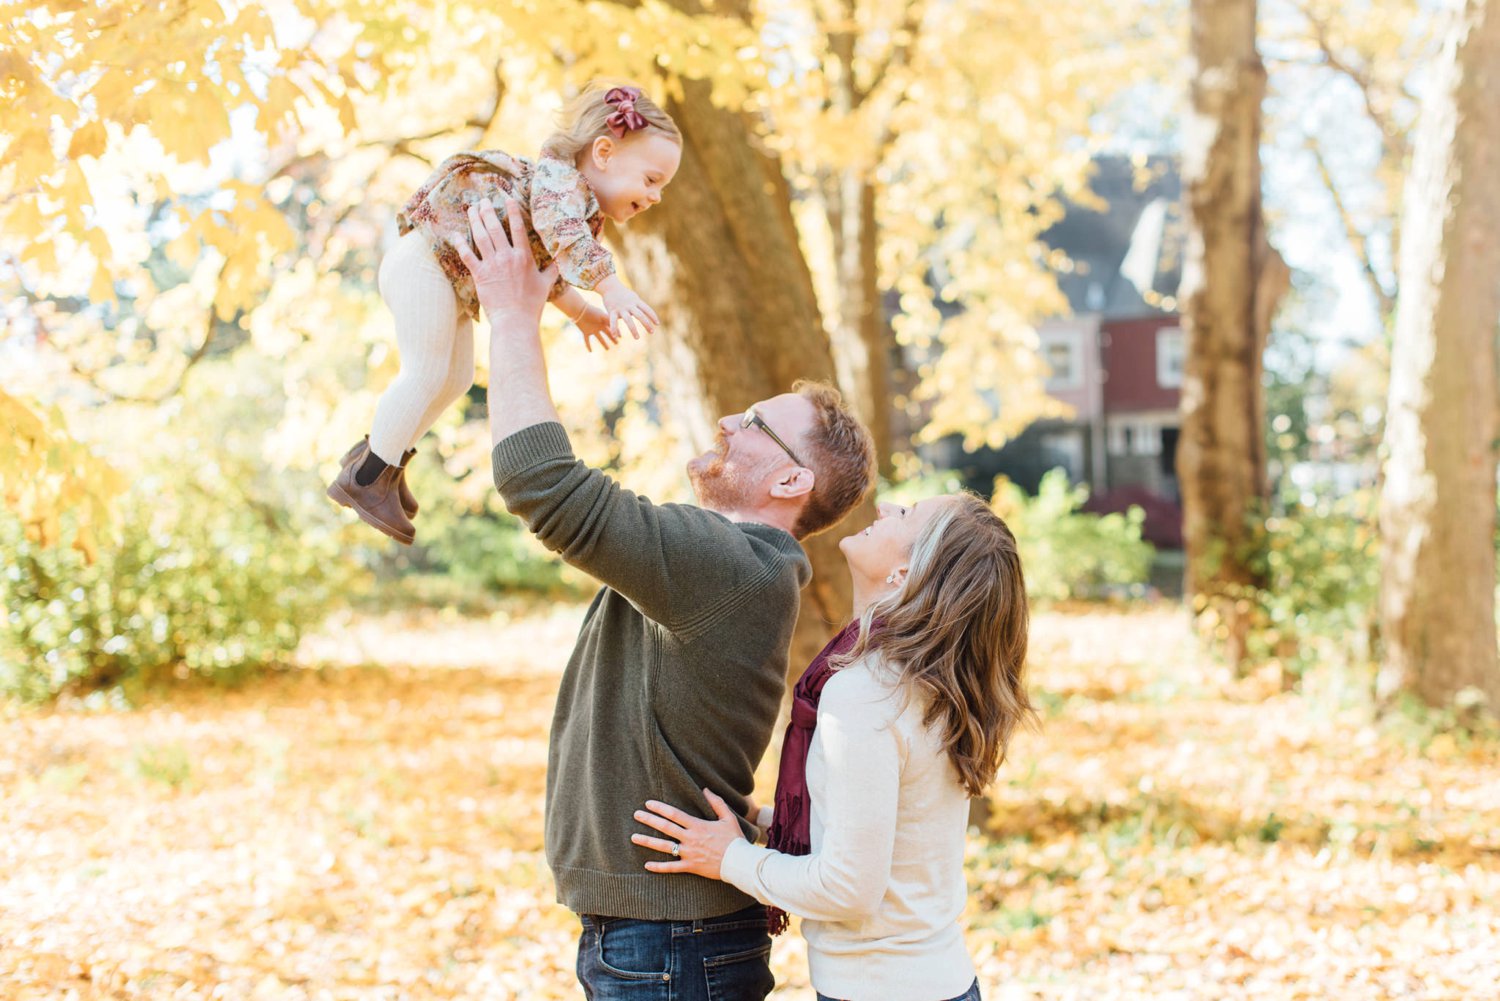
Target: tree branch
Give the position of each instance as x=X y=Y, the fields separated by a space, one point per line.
x=911 y=26
x=1356 y=237
x=402 y=147
x=841 y=35
x=92 y=377
x=482 y=122
x=1356 y=75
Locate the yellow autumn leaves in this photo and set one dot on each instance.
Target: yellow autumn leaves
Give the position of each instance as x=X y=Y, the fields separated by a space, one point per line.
x=44 y=473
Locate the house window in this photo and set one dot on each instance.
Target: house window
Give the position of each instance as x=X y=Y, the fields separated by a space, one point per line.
x=1065 y=359
x=1119 y=438
x=1147 y=440
x=1064 y=449
x=1094 y=297
x=1171 y=352
x=1134 y=438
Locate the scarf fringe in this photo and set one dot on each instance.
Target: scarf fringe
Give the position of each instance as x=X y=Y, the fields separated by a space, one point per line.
x=782 y=833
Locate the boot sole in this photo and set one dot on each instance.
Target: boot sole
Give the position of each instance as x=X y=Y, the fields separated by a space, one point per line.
x=341 y=496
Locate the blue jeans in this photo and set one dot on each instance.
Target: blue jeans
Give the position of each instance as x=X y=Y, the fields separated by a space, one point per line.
x=726 y=958
x=972 y=994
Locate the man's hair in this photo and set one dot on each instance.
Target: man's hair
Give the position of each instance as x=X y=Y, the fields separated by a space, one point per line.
x=841 y=454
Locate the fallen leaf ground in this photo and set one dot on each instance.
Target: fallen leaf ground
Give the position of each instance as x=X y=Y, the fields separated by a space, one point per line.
x=369 y=827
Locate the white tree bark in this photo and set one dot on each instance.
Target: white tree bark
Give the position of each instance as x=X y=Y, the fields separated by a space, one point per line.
x=1437 y=508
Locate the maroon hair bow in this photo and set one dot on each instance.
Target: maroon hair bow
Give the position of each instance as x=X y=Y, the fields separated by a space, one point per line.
x=626 y=118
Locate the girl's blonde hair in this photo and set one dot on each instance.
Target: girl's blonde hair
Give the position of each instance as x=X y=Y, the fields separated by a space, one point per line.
x=586 y=118
x=956 y=633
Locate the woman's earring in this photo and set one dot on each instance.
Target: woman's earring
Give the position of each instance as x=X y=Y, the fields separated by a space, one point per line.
x=891 y=579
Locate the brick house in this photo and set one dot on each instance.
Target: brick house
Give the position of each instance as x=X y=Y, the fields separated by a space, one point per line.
x=1117 y=359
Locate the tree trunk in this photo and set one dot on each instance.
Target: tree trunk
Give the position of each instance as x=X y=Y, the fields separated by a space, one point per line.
x=1437 y=507
x=861 y=336
x=721 y=262
x=1232 y=280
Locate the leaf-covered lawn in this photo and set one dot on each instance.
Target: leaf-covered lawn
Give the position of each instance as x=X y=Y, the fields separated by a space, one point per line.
x=370 y=827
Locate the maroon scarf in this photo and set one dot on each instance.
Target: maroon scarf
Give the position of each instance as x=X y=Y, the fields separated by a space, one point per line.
x=791 y=823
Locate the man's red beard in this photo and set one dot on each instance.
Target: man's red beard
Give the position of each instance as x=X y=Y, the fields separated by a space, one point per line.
x=718 y=486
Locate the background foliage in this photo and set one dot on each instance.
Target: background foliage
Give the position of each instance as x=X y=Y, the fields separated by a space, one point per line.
x=195 y=193
x=194 y=196
x=1068 y=553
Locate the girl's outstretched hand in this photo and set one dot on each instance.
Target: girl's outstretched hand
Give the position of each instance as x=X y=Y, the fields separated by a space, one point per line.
x=594 y=322
x=700 y=845
x=624 y=308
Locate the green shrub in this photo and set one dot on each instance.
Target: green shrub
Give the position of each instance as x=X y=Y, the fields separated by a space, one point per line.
x=466 y=536
x=1322 y=572
x=203 y=582
x=1070 y=554
x=1065 y=553
x=496 y=552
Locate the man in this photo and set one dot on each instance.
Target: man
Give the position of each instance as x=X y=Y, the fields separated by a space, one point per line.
x=678 y=672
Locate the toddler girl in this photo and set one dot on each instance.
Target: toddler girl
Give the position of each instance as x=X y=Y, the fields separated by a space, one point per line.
x=613 y=154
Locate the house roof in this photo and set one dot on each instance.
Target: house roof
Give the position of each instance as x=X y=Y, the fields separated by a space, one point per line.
x=1127 y=259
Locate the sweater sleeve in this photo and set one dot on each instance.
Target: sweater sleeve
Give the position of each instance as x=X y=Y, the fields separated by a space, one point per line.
x=846 y=878
x=559 y=209
x=680 y=565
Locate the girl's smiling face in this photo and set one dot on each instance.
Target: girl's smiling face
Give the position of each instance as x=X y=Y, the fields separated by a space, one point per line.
x=628 y=174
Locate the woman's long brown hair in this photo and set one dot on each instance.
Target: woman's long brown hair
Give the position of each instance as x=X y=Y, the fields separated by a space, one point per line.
x=956 y=632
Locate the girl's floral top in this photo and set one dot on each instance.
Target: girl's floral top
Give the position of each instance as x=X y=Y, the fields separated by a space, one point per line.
x=562 y=216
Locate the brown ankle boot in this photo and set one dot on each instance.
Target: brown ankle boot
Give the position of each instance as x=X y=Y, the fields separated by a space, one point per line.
x=379 y=503
x=408 y=502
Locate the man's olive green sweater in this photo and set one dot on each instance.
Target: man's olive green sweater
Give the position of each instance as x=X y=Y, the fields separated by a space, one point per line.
x=674 y=683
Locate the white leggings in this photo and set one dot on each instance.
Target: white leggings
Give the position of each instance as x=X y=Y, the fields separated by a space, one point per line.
x=436 y=342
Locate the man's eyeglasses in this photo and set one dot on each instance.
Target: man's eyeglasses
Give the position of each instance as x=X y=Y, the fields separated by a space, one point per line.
x=753 y=419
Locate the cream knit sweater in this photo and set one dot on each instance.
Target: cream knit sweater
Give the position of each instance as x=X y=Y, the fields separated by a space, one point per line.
x=882 y=892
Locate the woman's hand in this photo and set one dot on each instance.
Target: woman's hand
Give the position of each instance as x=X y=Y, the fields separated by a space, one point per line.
x=594 y=322
x=625 y=307
x=700 y=844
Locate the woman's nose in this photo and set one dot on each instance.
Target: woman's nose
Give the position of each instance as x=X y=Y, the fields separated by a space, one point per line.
x=884 y=509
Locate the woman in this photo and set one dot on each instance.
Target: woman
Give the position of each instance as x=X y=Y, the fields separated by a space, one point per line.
x=902 y=718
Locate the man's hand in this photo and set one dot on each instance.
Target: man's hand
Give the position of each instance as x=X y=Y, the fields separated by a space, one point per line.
x=505 y=275
x=512 y=292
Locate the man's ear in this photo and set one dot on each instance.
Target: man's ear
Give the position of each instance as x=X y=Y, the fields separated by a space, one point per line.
x=796 y=482
x=601 y=150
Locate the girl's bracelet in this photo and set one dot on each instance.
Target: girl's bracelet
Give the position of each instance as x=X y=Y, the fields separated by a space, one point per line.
x=575 y=319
